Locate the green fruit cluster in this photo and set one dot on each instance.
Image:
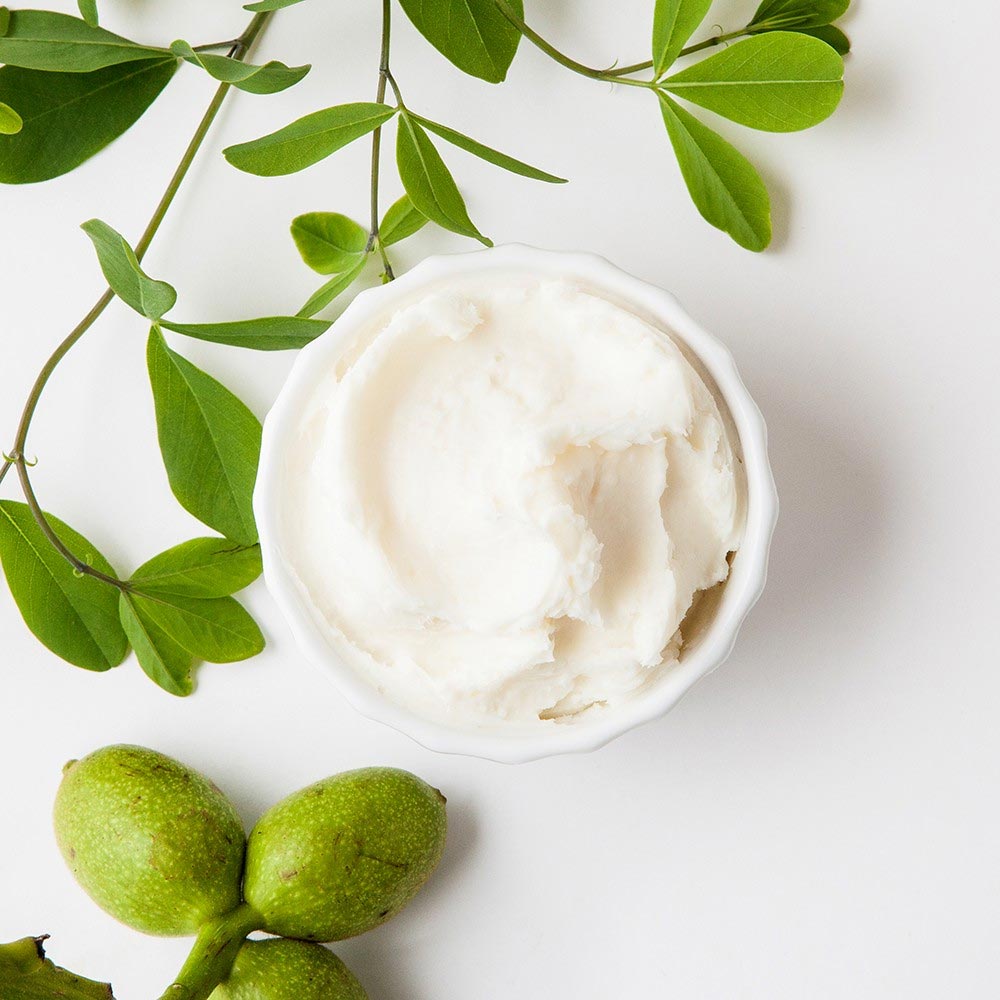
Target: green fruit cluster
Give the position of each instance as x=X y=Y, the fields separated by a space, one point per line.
x=160 y=848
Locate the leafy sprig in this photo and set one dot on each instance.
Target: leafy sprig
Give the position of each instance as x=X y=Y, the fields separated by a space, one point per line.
x=69 y=87
x=177 y=608
x=783 y=73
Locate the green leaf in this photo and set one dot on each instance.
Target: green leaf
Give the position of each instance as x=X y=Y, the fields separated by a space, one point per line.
x=830 y=34
x=270 y=5
x=473 y=34
x=10 y=121
x=401 y=221
x=163 y=661
x=486 y=152
x=26 y=974
x=330 y=243
x=270 y=78
x=674 y=22
x=777 y=14
x=428 y=181
x=68 y=117
x=4 y=20
x=148 y=297
x=723 y=183
x=270 y=333
x=778 y=82
x=219 y=630
x=308 y=140
x=210 y=442
x=76 y=616
x=41 y=39
x=88 y=11
x=334 y=287
x=202 y=567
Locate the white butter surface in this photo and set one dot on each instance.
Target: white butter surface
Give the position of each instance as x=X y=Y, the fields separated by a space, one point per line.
x=503 y=502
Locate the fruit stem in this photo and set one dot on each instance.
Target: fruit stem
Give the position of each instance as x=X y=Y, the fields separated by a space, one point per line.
x=214 y=952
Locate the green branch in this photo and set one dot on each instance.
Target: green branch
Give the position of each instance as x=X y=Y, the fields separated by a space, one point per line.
x=374 y=240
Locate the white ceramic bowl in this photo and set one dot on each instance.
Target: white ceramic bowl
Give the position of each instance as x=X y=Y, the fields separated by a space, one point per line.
x=713 y=641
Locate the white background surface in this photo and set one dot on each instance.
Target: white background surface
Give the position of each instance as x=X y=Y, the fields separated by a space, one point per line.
x=819 y=818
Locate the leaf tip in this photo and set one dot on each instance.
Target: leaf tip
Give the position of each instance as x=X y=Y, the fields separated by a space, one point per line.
x=10 y=121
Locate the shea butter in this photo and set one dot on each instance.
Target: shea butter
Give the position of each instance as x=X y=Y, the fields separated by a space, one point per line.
x=504 y=498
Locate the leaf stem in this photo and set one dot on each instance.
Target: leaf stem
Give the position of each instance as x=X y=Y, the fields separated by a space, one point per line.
x=210 y=46
x=560 y=57
x=54 y=540
x=616 y=74
x=725 y=36
x=374 y=240
x=237 y=51
x=629 y=70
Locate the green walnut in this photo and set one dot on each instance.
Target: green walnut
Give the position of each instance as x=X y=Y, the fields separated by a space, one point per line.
x=344 y=855
x=152 y=842
x=279 y=969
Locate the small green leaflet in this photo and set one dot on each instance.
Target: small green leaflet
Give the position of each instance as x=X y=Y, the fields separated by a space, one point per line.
x=88 y=11
x=830 y=34
x=271 y=333
x=10 y=121
x=473 y=34
x=68 y=117
x=428 y=181
x=26 y=974
x=674 y=22
x=171 y=632
x=799 y=13
x=330 y=243
x=148 y=297
x=270 y=5
x=209 y=440
x=202 y=567
x=267 y=79
x=308 y=140
x=401 y=221
x=75 y=616
x=778 y=82
x=334 y=287
x=218 y=629
x=723 y=183
x=4 y=20
x=41 y=39
x=486 y=153
x=163 y=661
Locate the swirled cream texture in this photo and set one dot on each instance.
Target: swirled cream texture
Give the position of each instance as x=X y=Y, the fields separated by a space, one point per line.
x=505 y=500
